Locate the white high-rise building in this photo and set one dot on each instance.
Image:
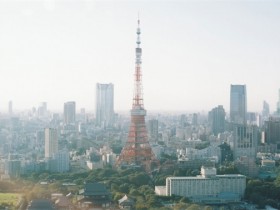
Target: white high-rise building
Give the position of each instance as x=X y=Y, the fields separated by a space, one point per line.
x=51 y=142
x=104 y=105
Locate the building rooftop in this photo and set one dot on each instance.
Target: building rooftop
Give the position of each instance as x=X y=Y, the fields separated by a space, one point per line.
x=125 y=198
x=40 y=204
x=212 y=177
x=92 y=189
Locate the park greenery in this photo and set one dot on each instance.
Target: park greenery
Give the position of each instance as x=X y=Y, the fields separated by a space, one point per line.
x=263 y=192
x=9 y=200
x=135 y=183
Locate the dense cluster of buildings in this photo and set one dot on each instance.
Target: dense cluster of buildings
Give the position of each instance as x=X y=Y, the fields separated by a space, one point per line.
x=38 y=140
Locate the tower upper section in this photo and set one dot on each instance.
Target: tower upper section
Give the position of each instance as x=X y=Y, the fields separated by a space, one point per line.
x=138 y=89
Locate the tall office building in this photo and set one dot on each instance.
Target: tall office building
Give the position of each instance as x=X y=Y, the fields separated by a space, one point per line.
x=265 y=111
x=238 y=104
x=216 y=119
x=104 y=105
x=272 y=130
x=245 y=141
x=42 y=110
x=51 y=142
x=195 y=119
x=183 y=121
x=70 y=112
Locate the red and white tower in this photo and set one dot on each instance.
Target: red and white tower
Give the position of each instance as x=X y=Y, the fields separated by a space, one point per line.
x=137 y=150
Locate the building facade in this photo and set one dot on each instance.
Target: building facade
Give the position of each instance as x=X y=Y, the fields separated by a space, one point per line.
x=51 y=142
x=104 y=105
x=217 y=119
x=153 y=130
x=238 y=104
x=272 y=130
x=247 y=166
x=42 y=110
x=245 y=141
x=69 y=113
x=94 y=196
x=265 y=110
x=278 y=104
x=208 y=187
x=59 y=162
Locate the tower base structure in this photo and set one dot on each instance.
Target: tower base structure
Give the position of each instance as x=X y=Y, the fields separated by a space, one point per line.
x=137 y=152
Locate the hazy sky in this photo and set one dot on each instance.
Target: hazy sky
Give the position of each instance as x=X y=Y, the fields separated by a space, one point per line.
x=56 y=51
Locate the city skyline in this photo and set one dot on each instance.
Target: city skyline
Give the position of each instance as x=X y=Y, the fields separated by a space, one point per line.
x=56 y=51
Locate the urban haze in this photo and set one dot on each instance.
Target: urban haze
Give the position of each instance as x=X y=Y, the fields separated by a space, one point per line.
x=139 y=105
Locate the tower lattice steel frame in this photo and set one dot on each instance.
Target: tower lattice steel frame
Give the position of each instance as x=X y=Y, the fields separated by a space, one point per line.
x=137 y=150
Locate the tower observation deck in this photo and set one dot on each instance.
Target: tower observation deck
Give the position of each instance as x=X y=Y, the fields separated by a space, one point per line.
x=137 y=150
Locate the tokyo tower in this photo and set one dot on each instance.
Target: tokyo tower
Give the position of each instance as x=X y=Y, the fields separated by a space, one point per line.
x=137 y=150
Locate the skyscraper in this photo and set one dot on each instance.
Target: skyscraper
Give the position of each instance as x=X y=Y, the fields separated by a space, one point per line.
x=265 y=111
x=217 y=119
x=70 y=113
x=42 y=110
x=104 y=105
x=272 y=130
x=51 y=142
x=238 y=104
x=137 y=150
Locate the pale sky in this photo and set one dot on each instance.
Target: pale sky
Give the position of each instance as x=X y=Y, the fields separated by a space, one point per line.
x=57 y=50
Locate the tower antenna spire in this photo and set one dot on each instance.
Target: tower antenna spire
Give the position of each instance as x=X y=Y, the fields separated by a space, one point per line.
x=138 y=95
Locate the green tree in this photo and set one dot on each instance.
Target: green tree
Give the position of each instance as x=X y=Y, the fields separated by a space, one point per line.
x=118 y=196
x=146 y=190
x=193 y=207
x=139 y=179
x=124 y=188
x=134 y=192
x=181 y=206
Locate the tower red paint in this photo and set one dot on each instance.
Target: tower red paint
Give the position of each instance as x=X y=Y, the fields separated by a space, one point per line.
x=137 y=150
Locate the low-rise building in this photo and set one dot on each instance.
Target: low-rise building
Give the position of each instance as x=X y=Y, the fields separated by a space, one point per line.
x=126 y=203
x=207 y=187
x=94 y=196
